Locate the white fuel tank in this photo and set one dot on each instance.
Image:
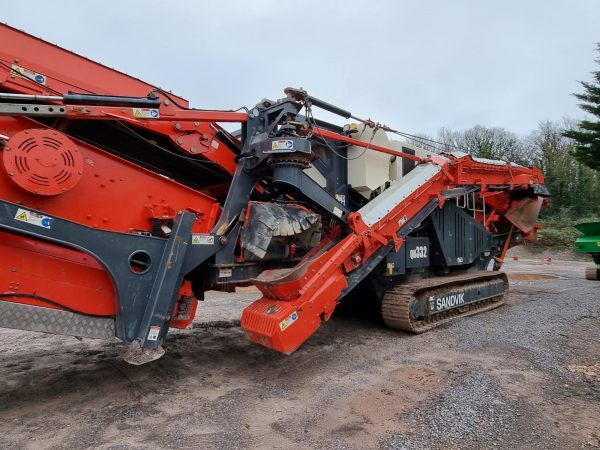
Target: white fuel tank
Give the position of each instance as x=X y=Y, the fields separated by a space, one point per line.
x=399 y=167
x=367 y=170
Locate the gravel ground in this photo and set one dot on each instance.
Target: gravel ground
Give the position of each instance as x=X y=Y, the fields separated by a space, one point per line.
x=514 y=377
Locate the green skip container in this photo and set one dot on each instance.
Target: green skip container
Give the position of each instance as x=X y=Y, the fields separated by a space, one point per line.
x=589 y=242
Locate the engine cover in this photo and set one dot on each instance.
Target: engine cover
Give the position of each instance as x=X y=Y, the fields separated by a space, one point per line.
x=43 y=162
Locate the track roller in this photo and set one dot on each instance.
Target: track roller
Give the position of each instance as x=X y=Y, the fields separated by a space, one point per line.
x=592 y=273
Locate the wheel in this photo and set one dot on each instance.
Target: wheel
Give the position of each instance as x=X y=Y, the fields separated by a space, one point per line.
x=591 y=273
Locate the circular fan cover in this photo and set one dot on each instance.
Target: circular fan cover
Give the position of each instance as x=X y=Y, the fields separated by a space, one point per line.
x=43 y=162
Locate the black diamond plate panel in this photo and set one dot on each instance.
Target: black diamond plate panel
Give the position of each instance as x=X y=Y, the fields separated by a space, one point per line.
x=48 y=320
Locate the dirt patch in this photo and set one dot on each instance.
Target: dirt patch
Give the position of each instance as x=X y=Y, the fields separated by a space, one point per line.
x=247 y=290
x=520 y=376
x=589 y=372
x=382 y=408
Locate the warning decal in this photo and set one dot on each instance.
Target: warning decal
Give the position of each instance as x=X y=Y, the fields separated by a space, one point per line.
x=281 y=145
x=225 y=272
x=22 y=72
x=145 y=113
x=33 y=218
x=153 y=333
x=288 y=321
x=203 y=239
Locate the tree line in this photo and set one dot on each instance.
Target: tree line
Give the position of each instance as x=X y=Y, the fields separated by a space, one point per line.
x=568 y=153
x=574 y=187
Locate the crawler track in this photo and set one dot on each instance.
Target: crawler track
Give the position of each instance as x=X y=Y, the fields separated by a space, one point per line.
x=397 y=301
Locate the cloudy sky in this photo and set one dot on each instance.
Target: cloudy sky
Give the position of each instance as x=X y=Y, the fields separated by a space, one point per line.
x=415 y=65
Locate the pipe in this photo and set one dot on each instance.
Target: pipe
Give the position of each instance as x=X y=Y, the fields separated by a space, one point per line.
x=87 y=99
x=40 y=98
x=110 y=100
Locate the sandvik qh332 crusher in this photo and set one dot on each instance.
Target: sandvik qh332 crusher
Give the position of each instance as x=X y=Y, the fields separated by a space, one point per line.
x=120 y=206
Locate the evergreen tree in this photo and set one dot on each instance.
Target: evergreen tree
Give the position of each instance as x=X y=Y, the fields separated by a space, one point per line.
x=587 y=134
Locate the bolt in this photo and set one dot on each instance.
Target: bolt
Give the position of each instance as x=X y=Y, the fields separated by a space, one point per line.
x=180 y=141
x=178 y=126
x=166 y=102
x=196 y=124
x=193 y=149
x=223 y=240
x=11 y=174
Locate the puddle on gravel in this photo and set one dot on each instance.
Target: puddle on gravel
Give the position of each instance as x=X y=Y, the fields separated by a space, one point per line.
x=530 y=276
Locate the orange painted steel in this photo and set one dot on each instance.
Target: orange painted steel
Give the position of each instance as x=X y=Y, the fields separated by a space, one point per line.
x=340 y=137
x=71 y=278
x=43 y=162
x=62 y=70
x=25 y=59
x=190 y=131
x=110 y=193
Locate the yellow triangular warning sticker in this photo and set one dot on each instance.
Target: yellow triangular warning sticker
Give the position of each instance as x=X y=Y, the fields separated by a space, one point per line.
x=22 y=216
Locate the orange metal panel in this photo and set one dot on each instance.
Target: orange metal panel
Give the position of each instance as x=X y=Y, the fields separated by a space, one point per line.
x=112 y=194
x=68 y=277
x=63 y=70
